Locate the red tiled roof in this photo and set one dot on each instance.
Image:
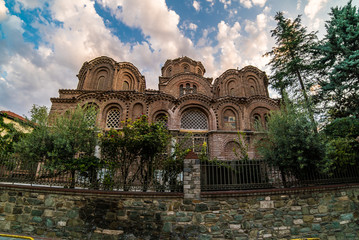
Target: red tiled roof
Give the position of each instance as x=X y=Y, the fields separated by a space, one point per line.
x=14 y=115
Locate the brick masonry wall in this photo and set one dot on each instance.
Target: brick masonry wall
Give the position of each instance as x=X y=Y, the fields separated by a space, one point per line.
x=329 y=215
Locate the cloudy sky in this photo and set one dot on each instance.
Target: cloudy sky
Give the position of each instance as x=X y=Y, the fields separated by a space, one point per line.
x=43 y=43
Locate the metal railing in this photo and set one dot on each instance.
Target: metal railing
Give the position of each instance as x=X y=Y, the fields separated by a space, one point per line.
x=164 y=176
x=223 y=175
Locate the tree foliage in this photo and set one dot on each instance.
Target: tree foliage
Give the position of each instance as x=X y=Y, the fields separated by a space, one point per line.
x=291 y=143
x=338 y=63
x=66 y=146
x=290 y=62
x=342 y=144
x=9 y=135
x=135 y=150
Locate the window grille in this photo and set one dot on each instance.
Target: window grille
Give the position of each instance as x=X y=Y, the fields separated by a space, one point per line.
x=194 y=119
x=113 y=118
x=162 y=118
x=193 y=141
x=91 y=116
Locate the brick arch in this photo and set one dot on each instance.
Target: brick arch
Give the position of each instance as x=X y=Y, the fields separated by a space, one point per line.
x=258 y=114
x=228 y=150
x=173 y=85
x=211 y=117
x=106 y=109
x=124 y=78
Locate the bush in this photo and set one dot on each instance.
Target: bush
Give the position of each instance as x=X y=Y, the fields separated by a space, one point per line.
x=291 y=143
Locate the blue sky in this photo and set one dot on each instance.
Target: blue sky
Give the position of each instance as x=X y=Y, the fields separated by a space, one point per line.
x=43 y=44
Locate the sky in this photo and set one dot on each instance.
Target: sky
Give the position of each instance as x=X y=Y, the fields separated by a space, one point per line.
x=43 y=43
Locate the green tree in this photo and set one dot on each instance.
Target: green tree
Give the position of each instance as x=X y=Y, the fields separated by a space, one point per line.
x=338 y=63
x=9 y=135
x=291 y=143
x=134 y=151
x=291 y=59
x=67 y=146
x=342 y=145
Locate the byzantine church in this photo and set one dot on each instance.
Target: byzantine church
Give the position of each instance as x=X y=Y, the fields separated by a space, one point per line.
x=194 y=107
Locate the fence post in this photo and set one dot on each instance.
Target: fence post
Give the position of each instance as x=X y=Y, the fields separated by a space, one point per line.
x=192 y=176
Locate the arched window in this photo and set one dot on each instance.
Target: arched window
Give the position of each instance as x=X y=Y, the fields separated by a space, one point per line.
x=126 y=86
x=257 y=121
x=185 y=68
x=181 y=90
x=169 y=71
x=194 y=119
x=229 y=150
x=162 y=118
x=253 y=90
x=229 y=120
x=91 y=113
x=137 y=111
x=266 y=118
x=113 y=118
x=101 y=83
x=194 y=89
x=231 y=88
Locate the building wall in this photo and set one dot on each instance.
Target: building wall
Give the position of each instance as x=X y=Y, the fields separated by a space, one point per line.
x=230 y=103
x=330 y=214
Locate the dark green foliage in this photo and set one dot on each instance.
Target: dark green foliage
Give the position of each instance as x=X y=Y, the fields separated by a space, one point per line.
x=136 y=151
x=66 y=146
x=338 y=63
x=342 y=150
x=291 y=58
x=9 y=135
x=291 y=143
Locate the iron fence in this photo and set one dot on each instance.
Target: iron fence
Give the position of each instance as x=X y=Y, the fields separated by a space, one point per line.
x=223 y=175
x=166 y=175
x=163 y=176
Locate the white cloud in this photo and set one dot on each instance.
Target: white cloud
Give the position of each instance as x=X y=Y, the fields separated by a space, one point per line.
x=260 y=3
x=211 y=2
x=228 y=39
x=226 y=3
x=3 y=11
x=246 y=3
x=34 y=75
x=313 y=7
x=251 y=3
x=257 y=41
x=299 y=4
x=196 y=5
x=192 y=26
x=28 y=4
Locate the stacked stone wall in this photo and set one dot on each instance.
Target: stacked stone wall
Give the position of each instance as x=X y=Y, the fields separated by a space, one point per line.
x=331 y=214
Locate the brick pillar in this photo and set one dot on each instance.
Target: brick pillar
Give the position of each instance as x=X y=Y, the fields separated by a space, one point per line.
x=192 y=177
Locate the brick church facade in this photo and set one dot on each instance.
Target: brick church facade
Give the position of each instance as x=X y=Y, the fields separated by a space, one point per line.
x=211 y=111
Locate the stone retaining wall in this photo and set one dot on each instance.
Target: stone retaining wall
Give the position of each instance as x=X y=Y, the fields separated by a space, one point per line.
x=330 y=214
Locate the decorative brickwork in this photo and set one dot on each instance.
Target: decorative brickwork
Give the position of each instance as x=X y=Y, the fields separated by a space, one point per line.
x=191 y=102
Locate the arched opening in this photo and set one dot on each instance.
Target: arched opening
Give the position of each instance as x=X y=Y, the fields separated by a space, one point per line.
x=194 y=119
x=229 y=120
x=231 y=88
x=126 y=85
x=256 y=121
x=162 y=118
x=137 y=111
x=194 y=89
x=113 y=118
x=230 y=149
x=182 y=91
x=185 y=67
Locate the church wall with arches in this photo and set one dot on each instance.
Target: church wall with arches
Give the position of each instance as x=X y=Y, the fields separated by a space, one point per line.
x=189 y=103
